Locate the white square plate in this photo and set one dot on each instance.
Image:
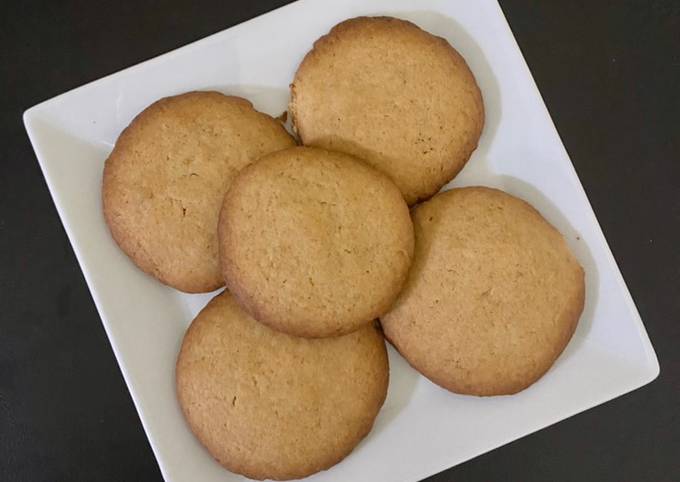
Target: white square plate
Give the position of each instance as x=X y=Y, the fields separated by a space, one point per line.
x=422 y=429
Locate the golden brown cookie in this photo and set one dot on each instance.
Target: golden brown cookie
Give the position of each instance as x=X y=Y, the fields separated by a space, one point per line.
x=314 y=243
x=386 y=91
x=493 y=296
x=165 y=179
x=272 y=406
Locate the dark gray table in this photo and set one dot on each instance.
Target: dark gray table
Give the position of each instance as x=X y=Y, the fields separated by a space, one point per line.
x=610 y=75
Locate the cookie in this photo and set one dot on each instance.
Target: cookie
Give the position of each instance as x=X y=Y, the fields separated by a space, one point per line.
x=272 y=406
x=314 y=243
x=165 y=179
x=386 y=91
x=493 y=297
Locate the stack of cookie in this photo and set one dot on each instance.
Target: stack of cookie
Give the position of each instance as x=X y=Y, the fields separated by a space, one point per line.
x=283 y=373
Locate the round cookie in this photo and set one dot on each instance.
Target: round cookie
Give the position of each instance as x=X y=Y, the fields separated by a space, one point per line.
x=386 y=91
x=272 y=406
x=314 y=243
x=165 y=179
x=493 y=296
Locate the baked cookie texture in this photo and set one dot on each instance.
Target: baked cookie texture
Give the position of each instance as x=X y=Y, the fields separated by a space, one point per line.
x=271 y=406
x=493 y=297
x=386 y=91
x=314 y=243
x=164 y=182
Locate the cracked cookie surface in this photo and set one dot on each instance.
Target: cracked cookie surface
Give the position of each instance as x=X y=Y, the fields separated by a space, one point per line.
x=269 y=405
x=314 y=243
x=386 y=91
x=493 y=296
x=165 y=179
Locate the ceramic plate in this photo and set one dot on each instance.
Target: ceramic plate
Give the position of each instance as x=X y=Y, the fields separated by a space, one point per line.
x=421 y=429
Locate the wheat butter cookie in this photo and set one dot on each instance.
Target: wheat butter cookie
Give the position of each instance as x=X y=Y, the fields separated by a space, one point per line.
x=493 y=297
x=314 y=243
x=386 y=91
x=164 y=182
x=272 y=406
